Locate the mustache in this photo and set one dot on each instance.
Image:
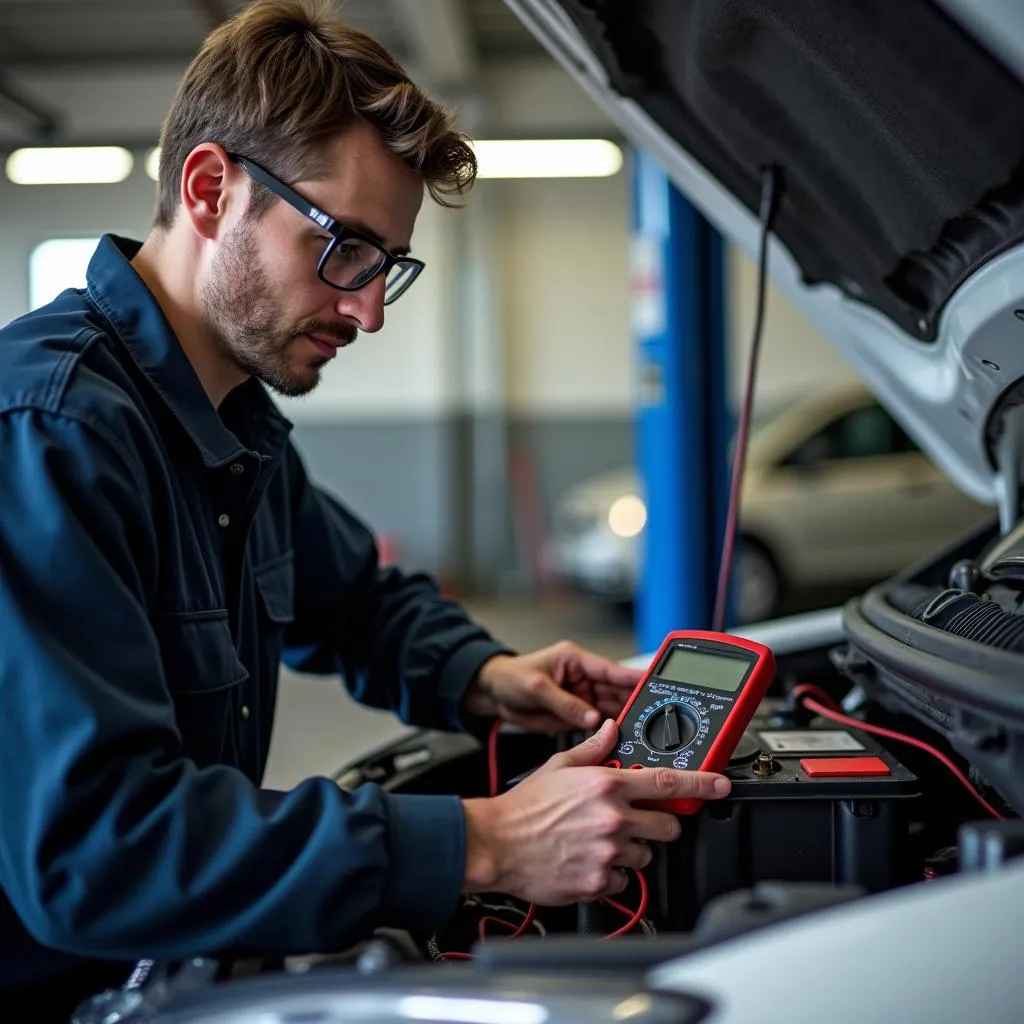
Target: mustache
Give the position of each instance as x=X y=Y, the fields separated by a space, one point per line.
x=344 y=333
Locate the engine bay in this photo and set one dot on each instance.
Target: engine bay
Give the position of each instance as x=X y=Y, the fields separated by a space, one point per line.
x=820 y=813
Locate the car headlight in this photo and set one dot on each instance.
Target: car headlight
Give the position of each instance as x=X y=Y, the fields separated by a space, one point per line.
x=627 y=516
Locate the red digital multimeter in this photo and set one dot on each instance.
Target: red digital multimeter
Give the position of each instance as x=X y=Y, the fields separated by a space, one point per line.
x=693 y=705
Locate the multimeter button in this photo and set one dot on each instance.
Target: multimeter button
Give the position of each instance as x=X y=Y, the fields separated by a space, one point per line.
x=613 y=764
x=843 y=767
x=636 y=767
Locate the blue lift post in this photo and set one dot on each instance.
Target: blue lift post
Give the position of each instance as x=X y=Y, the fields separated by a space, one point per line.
x=684 y=419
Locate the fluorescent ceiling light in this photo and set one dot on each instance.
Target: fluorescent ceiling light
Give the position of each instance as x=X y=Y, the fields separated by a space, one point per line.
x=153 y=163
x=548 y=158
x=524 y=158
x=69 y=165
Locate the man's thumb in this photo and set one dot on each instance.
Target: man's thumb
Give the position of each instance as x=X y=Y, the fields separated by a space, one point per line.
x=594 y=749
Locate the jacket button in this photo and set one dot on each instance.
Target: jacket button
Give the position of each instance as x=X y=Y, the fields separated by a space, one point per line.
x=224 y=519
x=245 y=712
x=237 y=469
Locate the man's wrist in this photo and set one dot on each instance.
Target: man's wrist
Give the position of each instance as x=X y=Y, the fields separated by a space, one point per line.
x=479 y=698
x=483 y=870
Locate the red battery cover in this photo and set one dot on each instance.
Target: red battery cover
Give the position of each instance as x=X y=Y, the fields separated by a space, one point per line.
x=731 y=731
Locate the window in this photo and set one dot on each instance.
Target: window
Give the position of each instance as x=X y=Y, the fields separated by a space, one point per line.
x=864 y=433
x=56 y=264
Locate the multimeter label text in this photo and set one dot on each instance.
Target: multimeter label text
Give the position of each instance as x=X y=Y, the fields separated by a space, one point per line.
x=671 y=690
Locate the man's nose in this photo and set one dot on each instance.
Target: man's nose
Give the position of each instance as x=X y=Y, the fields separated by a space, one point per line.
x=365 y=306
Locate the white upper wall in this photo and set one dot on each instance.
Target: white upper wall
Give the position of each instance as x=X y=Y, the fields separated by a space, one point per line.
x=569 y=350
x=566 y=297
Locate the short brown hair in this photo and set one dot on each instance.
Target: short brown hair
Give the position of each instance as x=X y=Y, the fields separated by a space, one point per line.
x=283 y=77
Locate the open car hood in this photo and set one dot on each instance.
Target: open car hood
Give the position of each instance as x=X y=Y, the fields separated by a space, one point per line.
x=899 y=128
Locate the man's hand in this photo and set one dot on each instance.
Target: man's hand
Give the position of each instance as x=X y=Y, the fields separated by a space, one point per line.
x=565 y=833
x=557 y=688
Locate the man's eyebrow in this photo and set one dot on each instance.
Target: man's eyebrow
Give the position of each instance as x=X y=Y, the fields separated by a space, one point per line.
x=364 y=229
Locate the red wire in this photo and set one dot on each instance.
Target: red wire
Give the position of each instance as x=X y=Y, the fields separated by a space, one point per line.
x=732 y=515
x=609 y=902
x=769 y=198
x=490 y=919
x=457 y=956
x=637 y=914
x=854 y=723
x=492 y=757
x=527 y=921
x=818 y=693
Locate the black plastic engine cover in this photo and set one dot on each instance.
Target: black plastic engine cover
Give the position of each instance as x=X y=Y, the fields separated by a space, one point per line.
x=969 y=693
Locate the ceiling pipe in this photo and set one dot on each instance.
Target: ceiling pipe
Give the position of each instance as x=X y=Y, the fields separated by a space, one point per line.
x=213 y=12
x=43 y=121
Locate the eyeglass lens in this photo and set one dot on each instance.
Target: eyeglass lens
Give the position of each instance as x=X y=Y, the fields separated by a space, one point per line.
x=354 y=262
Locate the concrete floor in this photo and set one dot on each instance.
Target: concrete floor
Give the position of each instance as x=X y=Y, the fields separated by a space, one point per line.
x=319 y=727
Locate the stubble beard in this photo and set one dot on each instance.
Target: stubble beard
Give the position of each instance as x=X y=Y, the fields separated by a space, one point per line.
x=246 y=321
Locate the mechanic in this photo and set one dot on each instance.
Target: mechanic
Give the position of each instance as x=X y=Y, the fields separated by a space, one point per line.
x=162 y=551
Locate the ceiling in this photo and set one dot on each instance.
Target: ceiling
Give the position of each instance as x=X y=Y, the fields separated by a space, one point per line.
x=89 y=32
x=443 y=43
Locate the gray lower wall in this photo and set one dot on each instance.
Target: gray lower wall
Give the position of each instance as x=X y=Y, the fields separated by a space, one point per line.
x=443 y=487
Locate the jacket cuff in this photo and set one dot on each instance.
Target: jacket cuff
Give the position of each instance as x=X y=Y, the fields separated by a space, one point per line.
x=426 y=861
x=456 y=677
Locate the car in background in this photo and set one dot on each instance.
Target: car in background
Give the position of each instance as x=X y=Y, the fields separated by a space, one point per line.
x=835 y=493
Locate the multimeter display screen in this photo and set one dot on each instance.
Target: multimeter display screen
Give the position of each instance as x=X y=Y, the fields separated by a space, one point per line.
x=697 y=668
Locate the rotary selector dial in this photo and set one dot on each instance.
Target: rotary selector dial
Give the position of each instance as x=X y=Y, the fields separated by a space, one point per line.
x=670 y=726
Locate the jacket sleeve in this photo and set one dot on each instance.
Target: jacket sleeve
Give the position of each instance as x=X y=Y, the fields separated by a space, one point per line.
x=396 y=641
x=112 y=844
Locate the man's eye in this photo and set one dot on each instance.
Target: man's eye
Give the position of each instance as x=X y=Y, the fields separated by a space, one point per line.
x=349 y=251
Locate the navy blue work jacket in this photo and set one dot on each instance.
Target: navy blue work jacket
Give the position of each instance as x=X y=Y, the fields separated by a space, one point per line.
x=158 y=560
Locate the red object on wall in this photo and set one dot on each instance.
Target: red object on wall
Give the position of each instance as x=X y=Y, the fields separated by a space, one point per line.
x=388 y=550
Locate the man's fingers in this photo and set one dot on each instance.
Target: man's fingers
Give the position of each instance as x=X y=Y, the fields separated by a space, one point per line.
x=566 y=706
x=634 y=855
x=609 y=691
x=602 y=671
x=537 y=721
x=671 y=784
x=617 y=883
x=594 y=750
x=653 y=826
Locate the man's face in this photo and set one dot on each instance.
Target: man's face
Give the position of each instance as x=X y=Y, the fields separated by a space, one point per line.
x=267 y=308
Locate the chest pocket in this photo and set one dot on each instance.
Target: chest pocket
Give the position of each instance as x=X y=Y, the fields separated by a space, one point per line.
x=275 y=598
x=203 y=673
x=275 y=584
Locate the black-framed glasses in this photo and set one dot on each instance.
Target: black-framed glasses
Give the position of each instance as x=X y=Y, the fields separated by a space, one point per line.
x=351 y=259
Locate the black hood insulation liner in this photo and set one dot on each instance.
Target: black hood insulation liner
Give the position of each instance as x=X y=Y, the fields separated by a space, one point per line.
x=902 y=139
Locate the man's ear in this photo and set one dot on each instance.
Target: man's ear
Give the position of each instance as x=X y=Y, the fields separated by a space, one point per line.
x=212 y=185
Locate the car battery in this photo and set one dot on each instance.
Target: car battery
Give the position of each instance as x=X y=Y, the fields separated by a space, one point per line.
x=818 y=804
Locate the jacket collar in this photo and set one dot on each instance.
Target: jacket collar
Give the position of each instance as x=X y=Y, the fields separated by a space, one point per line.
x=124 y=299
